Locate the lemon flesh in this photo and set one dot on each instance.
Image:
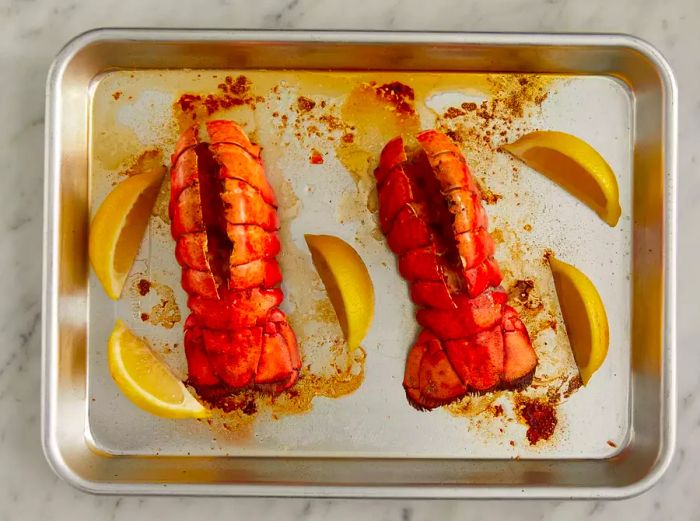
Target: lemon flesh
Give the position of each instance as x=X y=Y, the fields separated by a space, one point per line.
x=575 y=165
x=584 y=316
x=146 y=380
x=347 y=283
x=118 y=227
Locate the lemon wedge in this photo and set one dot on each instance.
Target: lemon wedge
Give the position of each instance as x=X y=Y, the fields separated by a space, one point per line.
x=118 y=227
x=584 y=316
x=347 y=283
x=575 y=165
x=146 y=380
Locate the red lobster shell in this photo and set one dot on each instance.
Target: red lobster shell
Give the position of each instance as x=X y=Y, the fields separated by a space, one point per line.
x=430 y=211
x=224 y=221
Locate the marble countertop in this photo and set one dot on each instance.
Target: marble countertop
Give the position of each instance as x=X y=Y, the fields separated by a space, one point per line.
x=34 y=30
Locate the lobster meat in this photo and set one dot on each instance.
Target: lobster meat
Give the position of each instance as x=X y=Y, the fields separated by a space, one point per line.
x=430 y=211
x=224 y=221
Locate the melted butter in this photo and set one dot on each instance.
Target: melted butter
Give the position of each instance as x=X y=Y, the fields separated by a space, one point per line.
x=346 y=375
x=113 y=143
x=165 y=312
x=373 y=120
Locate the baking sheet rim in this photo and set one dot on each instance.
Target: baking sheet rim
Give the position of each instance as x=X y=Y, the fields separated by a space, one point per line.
x=50 y=330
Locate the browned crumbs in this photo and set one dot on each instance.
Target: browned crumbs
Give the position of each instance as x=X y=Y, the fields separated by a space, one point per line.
x=144 y=287
x=453 y=112
x=574 y=385
x=488 y=196
x=540 y=417
x=305 y=104
x=232 y=92
x=523 y=292
x=399 y=95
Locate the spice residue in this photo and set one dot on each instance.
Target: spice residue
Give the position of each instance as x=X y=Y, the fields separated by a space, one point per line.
x=316 y=158
x=454 y=112
x=399 y=95
x=481 y=127
x=144 y=286
x=165 y=312
x=305 y=104
x=573 y=385
x=149 y=161
x=222 y=399
x=539 y=416
x=232 y=92
x=523 y=293
x=117 y=94
x=489 y=196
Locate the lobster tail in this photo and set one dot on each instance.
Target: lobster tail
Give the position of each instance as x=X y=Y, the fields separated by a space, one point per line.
x=430 y=211
x=224 y=222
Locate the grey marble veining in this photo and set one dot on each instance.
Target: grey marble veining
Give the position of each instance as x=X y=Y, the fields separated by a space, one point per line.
x=33 y=31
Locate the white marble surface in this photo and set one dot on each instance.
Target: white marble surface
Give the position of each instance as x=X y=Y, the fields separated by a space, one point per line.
x=33 y=31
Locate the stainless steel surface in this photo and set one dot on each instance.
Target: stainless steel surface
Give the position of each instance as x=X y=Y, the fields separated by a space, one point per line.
x=333 y=198
x=650 y=434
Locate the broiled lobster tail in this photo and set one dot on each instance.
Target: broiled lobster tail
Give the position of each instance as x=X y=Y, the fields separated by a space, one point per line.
x=430 y=210
x=224 y=221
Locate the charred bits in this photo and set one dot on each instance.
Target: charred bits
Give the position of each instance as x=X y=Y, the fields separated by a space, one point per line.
x=220 y=397
x=188 y=102
x=540 y=417
x=305 y=104
x=453 y=112
x=230 y=93
x=523 y=292
x=399 y=95
x=144 y=286
x=490 y=197
x=573 y=385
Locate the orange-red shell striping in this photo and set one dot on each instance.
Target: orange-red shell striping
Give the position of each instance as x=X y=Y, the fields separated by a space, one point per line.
x=430 y=210
x=224 y=222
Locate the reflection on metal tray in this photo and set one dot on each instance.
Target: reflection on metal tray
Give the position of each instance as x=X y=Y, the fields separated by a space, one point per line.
x=613 y=439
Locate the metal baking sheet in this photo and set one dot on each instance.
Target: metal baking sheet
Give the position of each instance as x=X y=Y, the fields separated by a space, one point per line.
x=127 y=106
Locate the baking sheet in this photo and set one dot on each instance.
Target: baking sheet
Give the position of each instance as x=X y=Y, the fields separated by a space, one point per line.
x=375 y=420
